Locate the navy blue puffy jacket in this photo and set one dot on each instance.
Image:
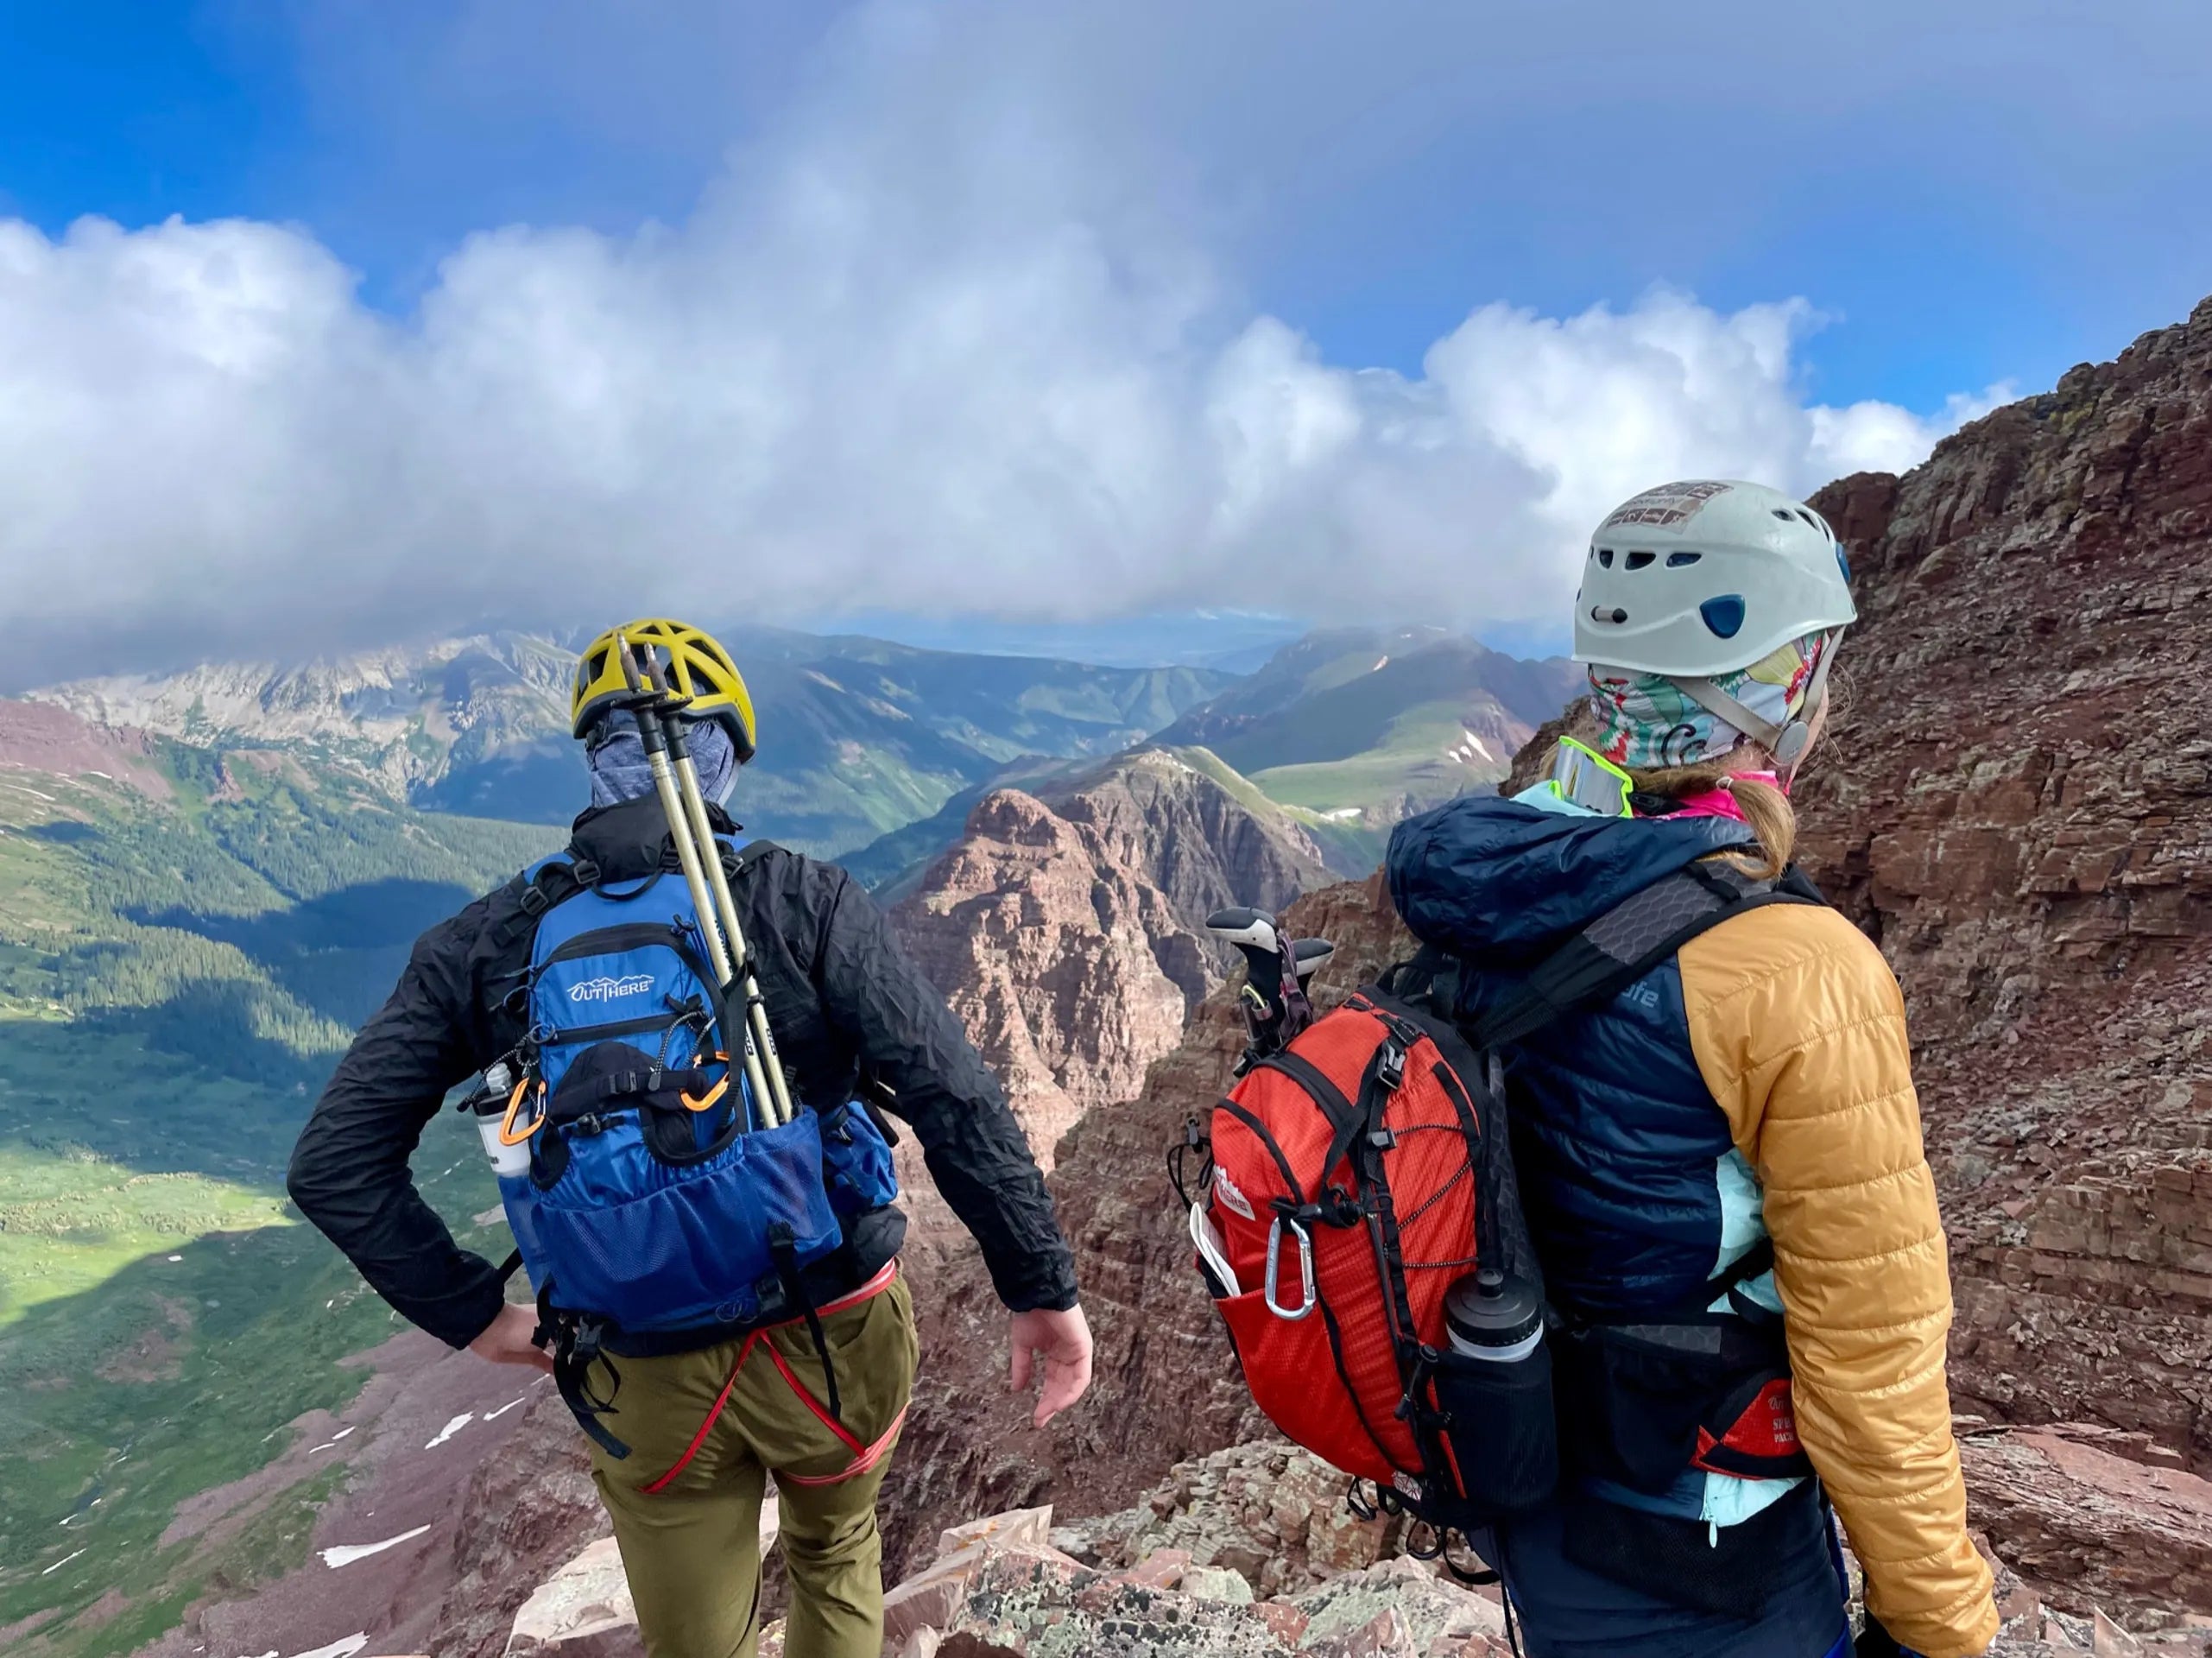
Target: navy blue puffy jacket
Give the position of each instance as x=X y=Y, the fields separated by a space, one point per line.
x=1619 y=1143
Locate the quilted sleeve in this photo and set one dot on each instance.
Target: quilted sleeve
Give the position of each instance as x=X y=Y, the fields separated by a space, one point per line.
x=1799 y=1032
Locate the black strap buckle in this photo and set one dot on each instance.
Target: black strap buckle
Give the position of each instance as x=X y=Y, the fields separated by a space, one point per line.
x=1390 y=1066
x=578 y=1342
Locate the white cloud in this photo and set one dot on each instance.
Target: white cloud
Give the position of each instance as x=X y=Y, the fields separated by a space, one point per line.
x=939 y=363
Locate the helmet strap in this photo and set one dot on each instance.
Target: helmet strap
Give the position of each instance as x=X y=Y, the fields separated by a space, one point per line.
x=1787 y=742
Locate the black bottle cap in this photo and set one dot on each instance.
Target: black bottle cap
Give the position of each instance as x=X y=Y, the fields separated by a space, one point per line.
x=1493 y=1310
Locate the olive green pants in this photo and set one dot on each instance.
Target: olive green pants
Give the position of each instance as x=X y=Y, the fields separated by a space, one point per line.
x=706 y=1429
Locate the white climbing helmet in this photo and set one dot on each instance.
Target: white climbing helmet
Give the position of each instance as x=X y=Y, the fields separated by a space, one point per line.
x=1698 y=579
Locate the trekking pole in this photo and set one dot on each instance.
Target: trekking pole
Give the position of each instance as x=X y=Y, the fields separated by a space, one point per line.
x=759 y=1041
x=652 y=733
x=777 y=1103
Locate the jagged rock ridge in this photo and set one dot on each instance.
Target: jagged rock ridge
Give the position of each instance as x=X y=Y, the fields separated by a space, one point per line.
x=2017 y=804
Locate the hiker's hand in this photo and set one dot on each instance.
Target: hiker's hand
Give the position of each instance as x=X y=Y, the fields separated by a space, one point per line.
x=1064 y=1340
x=506 y=1339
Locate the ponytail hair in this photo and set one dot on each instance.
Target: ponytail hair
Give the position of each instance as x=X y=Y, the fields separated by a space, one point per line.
x=1765 y=808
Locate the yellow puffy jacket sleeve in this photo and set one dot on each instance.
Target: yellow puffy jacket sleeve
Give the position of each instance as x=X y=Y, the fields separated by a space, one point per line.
x=1798 y=1029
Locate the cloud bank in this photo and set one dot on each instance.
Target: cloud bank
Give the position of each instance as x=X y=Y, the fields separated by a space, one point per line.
x=904 y=356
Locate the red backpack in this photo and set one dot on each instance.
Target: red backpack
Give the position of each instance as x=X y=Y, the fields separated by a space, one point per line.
x=1360 y=1230
x=1358 y=1179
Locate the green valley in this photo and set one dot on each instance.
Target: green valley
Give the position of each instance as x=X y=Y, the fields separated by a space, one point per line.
x=181 y=956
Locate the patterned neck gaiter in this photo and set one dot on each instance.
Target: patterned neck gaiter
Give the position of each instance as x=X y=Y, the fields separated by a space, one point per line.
x=1647 y=721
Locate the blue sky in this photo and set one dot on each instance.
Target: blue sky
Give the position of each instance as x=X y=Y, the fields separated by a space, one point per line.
x=1310 y=199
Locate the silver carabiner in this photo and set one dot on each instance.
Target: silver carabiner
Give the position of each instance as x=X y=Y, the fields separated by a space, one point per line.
x=1305 y=1309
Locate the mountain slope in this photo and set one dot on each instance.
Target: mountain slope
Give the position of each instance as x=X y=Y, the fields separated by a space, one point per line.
x=187 y=939
x=859 y=737
x=1066 y=928
x=1370 y=725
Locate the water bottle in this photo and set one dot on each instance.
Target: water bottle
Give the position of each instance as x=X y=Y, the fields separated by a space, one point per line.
x=1496 y=1385
x=1494 y=1318
x=492 y=1117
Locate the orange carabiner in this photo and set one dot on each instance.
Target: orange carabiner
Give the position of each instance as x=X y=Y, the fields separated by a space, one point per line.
x=507 y=1135
x=713 y=1093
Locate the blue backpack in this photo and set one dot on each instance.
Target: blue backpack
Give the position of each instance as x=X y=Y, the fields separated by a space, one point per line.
x=658 y=1206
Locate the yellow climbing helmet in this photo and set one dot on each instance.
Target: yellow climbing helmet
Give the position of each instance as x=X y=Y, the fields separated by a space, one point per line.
x=693 y=664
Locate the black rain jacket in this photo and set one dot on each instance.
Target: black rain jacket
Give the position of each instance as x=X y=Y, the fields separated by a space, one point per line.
x=842 y=995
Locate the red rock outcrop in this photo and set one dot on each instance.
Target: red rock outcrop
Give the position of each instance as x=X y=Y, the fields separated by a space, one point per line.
x=2091 y=1530
x=1068 y=936
x=2017 y=803
x=1071 y=971
x=528 y=1512
x=1167 y=1387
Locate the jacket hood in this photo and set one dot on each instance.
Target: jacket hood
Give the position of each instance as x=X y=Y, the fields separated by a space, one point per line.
x=631 y=838
x=1487 y=877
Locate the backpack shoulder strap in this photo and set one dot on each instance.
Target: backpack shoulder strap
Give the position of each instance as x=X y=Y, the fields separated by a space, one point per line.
x=735 y=860
x=557 y=878
x=1630 y=938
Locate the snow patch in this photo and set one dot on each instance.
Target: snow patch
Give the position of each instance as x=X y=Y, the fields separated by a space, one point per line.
x=63 y=1561
x=344 y=1649
x=450 y=1429
x=346 y=1554
x=494 y=1415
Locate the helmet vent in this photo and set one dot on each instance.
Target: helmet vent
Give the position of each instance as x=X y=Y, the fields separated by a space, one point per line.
x=1724 y=615
x=1780 y=513
x=1605 y=557
x=1677 y=560
x=1812 y=521
x=1637 y=560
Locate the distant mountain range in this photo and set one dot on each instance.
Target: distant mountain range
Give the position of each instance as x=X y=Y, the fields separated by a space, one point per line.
x=859 y=737
x=875 y=751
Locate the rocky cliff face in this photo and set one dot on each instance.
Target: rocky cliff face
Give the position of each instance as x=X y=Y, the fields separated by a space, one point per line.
x=2017 y=804
x=1068 y=935
x=1167 y=1387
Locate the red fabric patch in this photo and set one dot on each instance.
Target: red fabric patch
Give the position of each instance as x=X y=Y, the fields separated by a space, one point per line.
x=1768 y=1427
